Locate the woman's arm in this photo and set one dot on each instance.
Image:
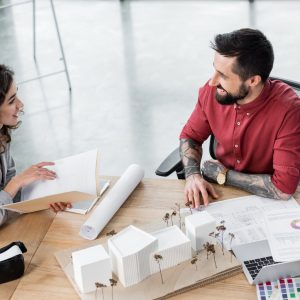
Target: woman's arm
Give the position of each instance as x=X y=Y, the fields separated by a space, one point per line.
x=5 y=198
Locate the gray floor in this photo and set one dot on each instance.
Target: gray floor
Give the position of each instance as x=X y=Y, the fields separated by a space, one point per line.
x=135 y=67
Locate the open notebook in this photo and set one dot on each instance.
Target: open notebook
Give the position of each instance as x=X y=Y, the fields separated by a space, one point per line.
x=77 y=180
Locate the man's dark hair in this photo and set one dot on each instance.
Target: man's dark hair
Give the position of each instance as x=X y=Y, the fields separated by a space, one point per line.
x=253 y=52
x=6 y=80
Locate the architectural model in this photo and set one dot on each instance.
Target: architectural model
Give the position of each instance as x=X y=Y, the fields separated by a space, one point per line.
x=135 y=254
x=198 y=226
x=130 y=250
x=91 y=265
x=173 y=246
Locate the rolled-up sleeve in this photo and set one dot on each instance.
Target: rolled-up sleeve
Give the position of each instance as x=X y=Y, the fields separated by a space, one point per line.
x=286 y=158
x=197 y=126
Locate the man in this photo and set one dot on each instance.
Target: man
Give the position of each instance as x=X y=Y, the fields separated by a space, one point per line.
x=255 y=120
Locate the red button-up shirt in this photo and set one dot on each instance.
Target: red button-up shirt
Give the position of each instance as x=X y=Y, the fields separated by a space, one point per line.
x=261 y=137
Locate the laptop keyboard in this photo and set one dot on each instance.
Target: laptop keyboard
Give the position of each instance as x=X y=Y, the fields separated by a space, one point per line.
x=255 y=265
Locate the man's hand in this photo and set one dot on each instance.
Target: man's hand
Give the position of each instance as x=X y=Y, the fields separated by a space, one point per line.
x=59 y=206
x=195 y=187
x=211 y=168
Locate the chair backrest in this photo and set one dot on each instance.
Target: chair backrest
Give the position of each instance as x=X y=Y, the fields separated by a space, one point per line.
x=213 y=142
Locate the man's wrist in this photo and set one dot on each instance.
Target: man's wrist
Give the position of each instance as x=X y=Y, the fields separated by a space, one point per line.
x=190 y=174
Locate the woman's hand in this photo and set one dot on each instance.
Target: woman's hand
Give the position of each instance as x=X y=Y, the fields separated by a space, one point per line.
x=34 y=173
x=59 y=206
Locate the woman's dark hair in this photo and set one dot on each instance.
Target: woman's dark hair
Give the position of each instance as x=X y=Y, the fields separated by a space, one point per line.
x=253 y=52
x=6 y=79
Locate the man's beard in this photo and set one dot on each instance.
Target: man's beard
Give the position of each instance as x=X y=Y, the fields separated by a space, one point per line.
x=229 y=98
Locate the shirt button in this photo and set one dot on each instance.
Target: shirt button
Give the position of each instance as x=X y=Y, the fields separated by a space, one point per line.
x=238 y=161
x=238 y=123
x=236 y=146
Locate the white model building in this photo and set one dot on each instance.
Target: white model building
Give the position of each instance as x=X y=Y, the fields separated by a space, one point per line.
x=198 y=226
x=173 y=246
x=91 y=265
x=130 y=250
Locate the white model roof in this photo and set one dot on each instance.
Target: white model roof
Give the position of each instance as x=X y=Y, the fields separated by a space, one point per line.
x=170 y=237
x=131 y=240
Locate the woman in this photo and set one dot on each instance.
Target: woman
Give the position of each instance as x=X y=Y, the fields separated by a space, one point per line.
x=10 y=109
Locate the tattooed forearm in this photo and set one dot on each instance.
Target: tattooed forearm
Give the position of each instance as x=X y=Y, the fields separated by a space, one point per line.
x=260 y=185
x=191 y=154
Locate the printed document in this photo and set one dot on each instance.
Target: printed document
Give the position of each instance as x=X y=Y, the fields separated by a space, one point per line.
x=244 y=217
x=283 y=233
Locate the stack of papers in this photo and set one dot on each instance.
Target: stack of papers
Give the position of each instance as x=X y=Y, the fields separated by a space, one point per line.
x=244 y=217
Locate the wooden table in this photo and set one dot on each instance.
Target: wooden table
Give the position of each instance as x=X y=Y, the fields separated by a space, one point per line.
x=44 y=233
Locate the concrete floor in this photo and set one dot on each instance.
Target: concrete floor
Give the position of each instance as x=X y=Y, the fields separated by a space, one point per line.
x=135 y=67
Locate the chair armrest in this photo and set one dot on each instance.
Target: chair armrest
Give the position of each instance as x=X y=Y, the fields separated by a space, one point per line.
x=171 y=164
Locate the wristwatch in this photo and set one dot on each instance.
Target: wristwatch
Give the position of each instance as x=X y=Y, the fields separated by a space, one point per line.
x=221 y=177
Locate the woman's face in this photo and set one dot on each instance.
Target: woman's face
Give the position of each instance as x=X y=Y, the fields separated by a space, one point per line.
x=11 y=107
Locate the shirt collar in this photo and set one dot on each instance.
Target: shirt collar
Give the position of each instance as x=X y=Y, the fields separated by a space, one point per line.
x=252 y=106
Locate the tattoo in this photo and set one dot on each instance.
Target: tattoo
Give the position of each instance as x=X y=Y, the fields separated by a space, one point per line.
x=257 y=184
x=210 y=170
x=191 y=154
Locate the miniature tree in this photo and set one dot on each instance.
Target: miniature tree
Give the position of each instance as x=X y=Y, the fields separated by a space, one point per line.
x=173 y=214
x=221 y=228
x=99 y=285
x=158 y=258
x=166 y=218
x=231 y=238
x=179 y=214
x=194 y=261
x=189 y=205
x=111 y=233
x=210 y=249
x=113 y=283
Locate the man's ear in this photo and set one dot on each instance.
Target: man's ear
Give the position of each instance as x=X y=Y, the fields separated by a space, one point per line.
x=254 y=80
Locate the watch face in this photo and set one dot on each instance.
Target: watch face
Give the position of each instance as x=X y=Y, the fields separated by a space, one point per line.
x=221 y=178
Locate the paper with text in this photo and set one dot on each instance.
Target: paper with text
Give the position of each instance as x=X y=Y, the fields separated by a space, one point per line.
x=283 y=232
x=244 y=217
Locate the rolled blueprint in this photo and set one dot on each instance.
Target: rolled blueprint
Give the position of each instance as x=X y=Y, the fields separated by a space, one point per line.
x=112 y=202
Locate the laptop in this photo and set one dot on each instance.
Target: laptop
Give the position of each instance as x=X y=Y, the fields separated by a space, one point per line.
x=259 y=266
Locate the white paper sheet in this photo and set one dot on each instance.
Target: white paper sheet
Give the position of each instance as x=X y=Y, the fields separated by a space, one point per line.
x=74 y=173
x=112 y=202
x=283 y=233
x=244 y=217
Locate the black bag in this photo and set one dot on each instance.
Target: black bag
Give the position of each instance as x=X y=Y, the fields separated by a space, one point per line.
x=13 y=267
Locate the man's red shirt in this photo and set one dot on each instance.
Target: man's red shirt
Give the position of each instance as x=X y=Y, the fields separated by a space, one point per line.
x=261 y=137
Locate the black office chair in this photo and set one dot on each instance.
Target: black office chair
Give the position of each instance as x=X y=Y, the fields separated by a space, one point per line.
x=173 y=161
